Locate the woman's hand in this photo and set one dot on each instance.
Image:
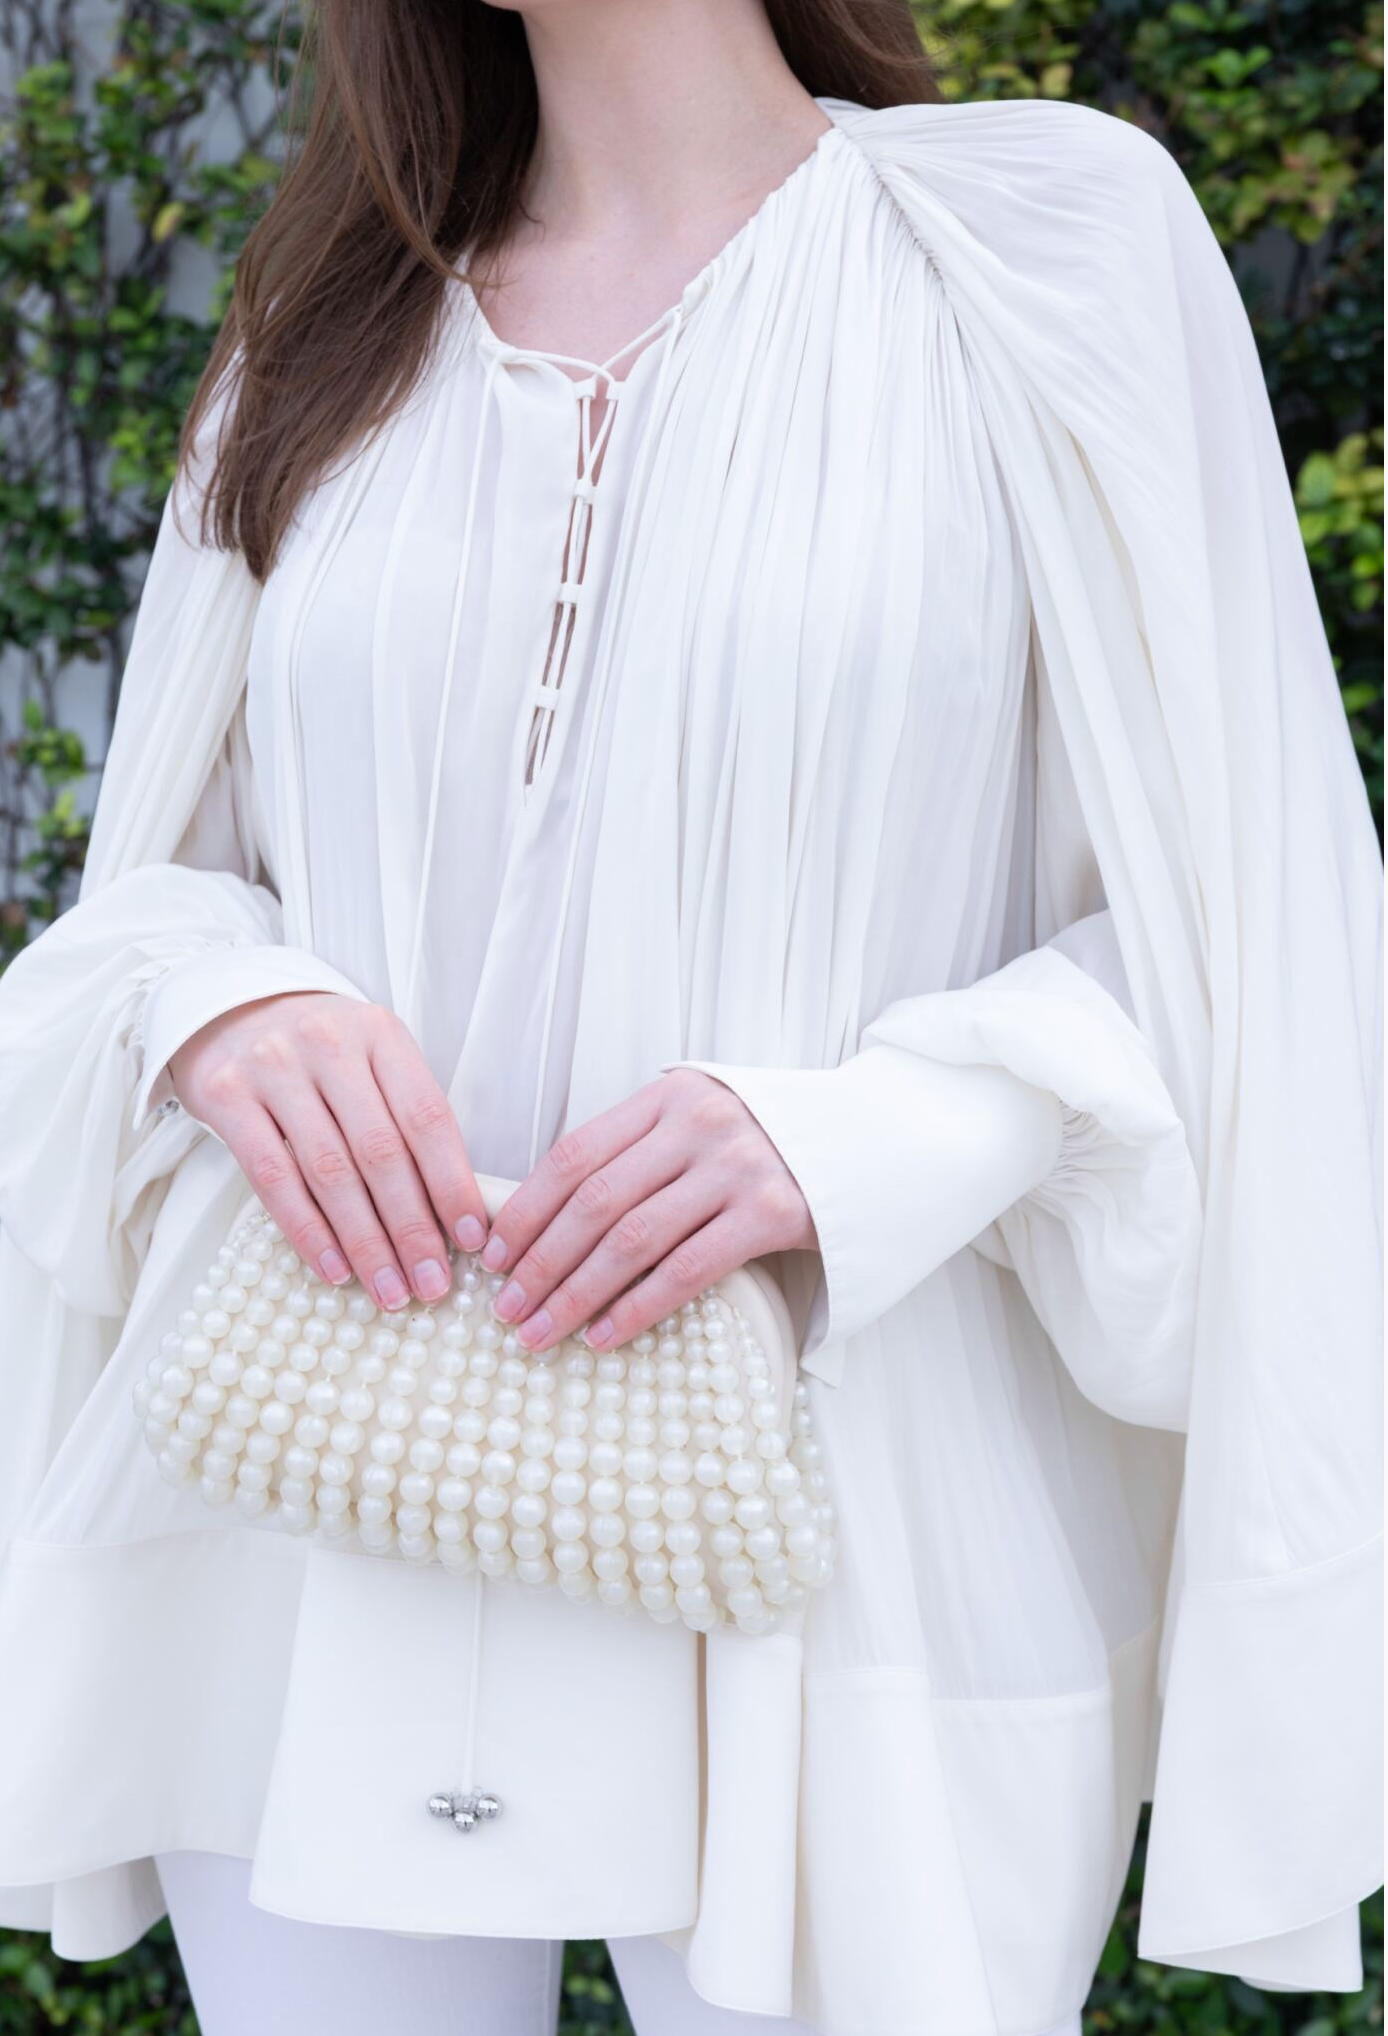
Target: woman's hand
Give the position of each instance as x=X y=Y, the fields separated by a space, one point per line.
x=335 y=1119
x=679 y=1184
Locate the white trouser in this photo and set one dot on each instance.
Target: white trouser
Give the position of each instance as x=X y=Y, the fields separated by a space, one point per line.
x=256 y=1974
x=252 y=1973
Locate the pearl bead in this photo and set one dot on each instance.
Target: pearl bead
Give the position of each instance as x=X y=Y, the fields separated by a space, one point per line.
x=528 y=1509
x=568 y=1488
x=753 y=1511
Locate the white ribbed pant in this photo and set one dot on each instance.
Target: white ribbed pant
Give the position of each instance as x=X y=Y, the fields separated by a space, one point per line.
x=256 y=1974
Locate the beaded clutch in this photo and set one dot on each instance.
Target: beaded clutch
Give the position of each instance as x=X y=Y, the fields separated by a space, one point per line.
x=677 y=1474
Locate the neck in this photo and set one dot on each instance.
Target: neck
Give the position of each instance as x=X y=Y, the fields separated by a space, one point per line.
x=652 y=108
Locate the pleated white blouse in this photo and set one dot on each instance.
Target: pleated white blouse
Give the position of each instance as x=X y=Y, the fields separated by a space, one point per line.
x=599 y=717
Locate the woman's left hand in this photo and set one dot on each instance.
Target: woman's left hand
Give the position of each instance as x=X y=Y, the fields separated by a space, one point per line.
x=673 y=1189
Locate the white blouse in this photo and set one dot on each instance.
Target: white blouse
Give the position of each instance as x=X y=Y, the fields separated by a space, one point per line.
x=716 y=733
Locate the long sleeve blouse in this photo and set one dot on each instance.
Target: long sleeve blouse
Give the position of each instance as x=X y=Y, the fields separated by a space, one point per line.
x=703 y=707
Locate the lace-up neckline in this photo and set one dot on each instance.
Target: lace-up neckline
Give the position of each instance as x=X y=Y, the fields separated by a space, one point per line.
x=693 y=293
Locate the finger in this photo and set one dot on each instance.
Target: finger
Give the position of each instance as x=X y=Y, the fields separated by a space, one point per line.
x=425 y=1115
x=697 y=1262
x=257 y=1143
x=637 y=1242
x=597 y=1205
x=544 y=1191
x=332 y=1178
x=403 y=1242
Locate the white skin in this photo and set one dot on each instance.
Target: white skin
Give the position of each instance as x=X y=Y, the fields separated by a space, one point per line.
x=663 y=126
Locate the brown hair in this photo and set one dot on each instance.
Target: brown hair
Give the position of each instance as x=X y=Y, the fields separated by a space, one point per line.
x=422 y=120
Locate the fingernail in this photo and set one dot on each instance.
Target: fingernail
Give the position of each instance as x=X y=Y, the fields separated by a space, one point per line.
x=509 y=1301
x=431 y=1279
x=391 y=1290
x=536 y=1329
x=471 y=1234
x=494 y=1257
x=334 y=1267
x=597 y=1333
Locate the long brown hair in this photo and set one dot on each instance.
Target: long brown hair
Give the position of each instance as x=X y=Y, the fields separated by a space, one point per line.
x=421 y=123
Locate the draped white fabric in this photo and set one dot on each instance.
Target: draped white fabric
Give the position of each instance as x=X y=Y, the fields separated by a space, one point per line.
x=944 y=751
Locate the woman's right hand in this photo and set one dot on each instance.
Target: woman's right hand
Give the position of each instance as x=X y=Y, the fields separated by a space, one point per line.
x=334 y=1117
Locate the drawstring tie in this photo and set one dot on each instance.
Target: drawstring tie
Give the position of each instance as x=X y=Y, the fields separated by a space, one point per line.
x=468 y=1806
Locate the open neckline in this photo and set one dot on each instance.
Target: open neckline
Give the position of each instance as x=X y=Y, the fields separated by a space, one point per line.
x=694 y=291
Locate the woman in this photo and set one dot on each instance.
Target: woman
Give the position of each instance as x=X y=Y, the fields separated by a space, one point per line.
x=731 y=647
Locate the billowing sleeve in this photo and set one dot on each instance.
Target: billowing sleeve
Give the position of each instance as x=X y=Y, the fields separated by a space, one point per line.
x=176 y=922
x=1022 y=1115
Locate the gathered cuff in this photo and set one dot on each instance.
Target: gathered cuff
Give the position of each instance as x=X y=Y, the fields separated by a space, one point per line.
x=1023 y=1116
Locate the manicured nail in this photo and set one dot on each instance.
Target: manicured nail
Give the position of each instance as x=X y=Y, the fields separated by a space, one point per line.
x=391 y=1291
x=536 y=1329
x=597 y=1333
x=494 y=1257
x=334 y=1267
x=430 y=1279
x=471 y=1234
x=509 y=1301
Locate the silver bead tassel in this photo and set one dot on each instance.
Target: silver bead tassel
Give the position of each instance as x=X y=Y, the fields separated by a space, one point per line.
x=465 y=1808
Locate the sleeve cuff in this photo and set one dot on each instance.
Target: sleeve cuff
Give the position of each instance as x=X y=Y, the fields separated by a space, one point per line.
x=902 y=1161
x=196 y=988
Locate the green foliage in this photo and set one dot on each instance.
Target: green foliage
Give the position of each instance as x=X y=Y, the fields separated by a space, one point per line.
x=102 y=186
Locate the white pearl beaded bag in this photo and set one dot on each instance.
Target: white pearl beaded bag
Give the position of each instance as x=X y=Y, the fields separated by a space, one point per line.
x=677 y=1474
